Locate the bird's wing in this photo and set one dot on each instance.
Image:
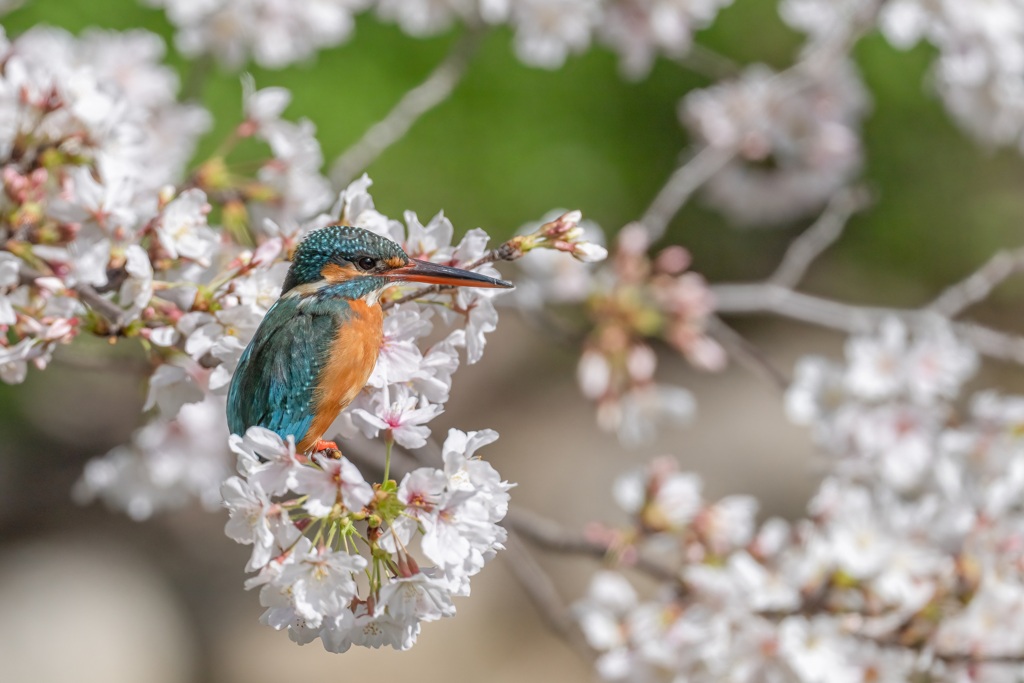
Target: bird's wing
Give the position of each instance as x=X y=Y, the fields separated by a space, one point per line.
x=276 y=376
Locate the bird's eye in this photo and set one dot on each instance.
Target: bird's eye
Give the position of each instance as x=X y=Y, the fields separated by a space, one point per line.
x=366 y=263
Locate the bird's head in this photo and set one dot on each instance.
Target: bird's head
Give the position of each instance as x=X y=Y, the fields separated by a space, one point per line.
x=363 y=263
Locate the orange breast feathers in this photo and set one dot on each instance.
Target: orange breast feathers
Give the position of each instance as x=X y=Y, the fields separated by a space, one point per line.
x=353 y=355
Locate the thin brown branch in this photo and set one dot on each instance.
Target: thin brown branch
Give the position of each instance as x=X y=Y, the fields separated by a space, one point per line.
x=544 y=595
x=680 y=186
x=434 y=90
x=746 y=353
x=762 y=297
x=806 y=248
x=968 y=658
x=112 y=314
x=416 y=294
x=549 y=535
x=977 y=286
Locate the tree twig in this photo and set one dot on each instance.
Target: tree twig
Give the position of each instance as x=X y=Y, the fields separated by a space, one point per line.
x=112 y=314
x=550 y=535
x=680 y=186
x=544 y=595
x=747 y=353
x=763 y=297
x=434 y=90
x=977 y=286
x=819 y=237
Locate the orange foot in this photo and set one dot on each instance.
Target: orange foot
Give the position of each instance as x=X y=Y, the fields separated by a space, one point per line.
x=322 y=445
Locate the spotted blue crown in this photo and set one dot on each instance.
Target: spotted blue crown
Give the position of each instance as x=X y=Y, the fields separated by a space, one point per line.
x=340 y=244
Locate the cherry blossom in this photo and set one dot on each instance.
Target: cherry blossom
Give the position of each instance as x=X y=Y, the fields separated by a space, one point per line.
x=402 y=416
x=268 y=31
x=880 y=558
x=795 y=143
x=266 y=460
x=641 y=29
x=168 y=463
x=307 y=535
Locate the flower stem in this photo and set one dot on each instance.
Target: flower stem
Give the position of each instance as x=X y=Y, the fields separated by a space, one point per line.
x=388 y=443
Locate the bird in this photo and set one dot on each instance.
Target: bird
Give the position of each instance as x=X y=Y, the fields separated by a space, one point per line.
x=314 y=350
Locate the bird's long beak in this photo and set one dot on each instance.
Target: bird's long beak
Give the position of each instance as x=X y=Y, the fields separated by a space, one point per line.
x=435 y=274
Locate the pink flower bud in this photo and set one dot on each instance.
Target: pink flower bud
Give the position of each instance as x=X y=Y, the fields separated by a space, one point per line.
x=673 y=260
x=563 y=225
x=49 y=284
x=707 y=354
x=641 y=363
x=633 y=239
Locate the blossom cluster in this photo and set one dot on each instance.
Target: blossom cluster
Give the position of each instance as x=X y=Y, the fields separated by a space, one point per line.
x=979 y=70
x=275 y=33
x=882 y=415
x=85 y=149
x=309 y=517
x=907 y=564
x=630 y=302
x=794 y=139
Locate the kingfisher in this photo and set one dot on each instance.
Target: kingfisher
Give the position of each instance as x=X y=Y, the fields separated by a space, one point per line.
x=316 y=347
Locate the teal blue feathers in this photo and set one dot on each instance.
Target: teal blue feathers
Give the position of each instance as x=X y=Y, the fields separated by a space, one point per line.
x=277 y=374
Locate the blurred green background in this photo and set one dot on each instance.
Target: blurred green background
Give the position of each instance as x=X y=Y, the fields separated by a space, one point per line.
x=512 y=143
